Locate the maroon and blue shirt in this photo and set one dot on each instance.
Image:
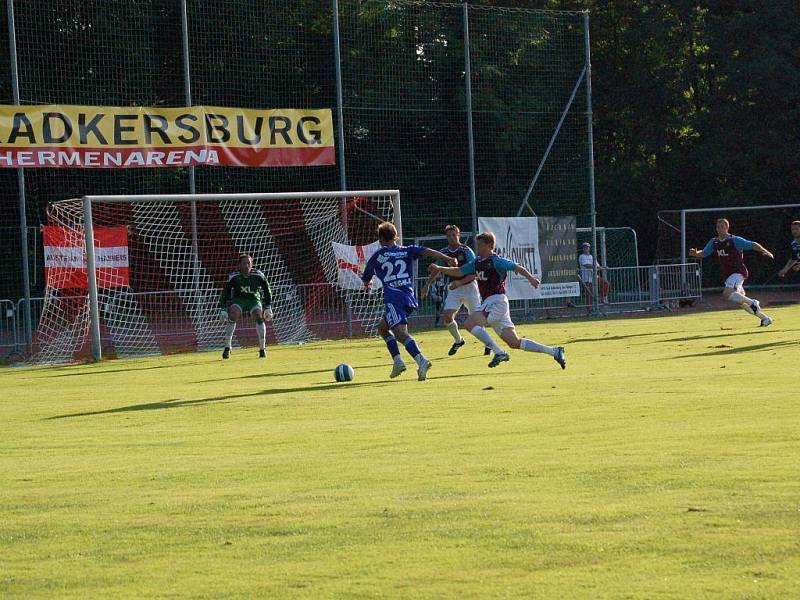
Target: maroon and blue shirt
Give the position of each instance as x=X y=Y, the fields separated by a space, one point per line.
x=463 y=254
x=729 y=253
x=490 y=273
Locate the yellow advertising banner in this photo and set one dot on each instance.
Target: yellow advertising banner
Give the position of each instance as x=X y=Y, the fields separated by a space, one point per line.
x=124 y=137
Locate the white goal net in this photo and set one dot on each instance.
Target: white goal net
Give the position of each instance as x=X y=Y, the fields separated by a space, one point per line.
x=160 y=263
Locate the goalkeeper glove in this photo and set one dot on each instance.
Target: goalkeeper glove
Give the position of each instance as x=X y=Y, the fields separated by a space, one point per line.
x=267 y=312
x=223 y=314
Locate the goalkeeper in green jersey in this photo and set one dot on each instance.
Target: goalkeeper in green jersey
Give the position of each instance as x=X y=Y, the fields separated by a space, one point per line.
x=246 y=291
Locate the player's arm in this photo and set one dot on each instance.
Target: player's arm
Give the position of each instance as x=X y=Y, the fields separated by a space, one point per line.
x=743 y=244
x=423 y=293
x=761 y=250
x=466 y=280
x=224 y=297
x=788 y=267
x=527 y=275
x=436 y=255
x=267 y=298
x=369 y=272
x=707 y=251
x=449 y=271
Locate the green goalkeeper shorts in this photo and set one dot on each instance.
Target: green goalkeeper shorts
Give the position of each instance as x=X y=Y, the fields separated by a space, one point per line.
x=246 y=304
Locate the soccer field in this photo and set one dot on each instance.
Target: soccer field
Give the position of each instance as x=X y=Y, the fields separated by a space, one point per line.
x=663 y=463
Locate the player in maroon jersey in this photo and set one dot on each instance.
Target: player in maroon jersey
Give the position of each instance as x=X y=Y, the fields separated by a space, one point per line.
x=729 y=250
x=491 y=271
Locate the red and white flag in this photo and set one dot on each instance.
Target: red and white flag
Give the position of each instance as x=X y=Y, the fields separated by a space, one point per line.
x=65 y=257
x=351 y=261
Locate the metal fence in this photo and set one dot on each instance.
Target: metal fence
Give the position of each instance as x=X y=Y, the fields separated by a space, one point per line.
x=656 y=286
x=468 y=109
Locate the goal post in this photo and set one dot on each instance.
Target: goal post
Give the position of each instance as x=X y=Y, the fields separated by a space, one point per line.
x=157 y=288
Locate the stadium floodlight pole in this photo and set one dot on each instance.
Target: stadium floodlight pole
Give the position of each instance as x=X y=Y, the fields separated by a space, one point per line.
x=23 y=215
x=592 y=200
x=91 y=276
x=337 y=59
x=473 y=202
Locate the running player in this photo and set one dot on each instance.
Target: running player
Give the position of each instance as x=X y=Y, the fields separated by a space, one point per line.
x=462 y=291
x=729 y=250
x=394 y=266
x=246 y=291
x=793 y=264
x=491 y=271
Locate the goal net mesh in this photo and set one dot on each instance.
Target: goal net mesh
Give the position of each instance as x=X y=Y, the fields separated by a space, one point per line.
x=168 y=298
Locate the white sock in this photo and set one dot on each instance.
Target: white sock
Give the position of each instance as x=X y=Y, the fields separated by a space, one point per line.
x=261 y=330
x=483 y=335
x=421 y=360
x=748 y=308
x=230 y=327
x=531 y=346
x=453 y=329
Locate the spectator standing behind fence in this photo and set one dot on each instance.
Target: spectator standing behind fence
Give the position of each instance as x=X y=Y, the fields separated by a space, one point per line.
x=587 y=265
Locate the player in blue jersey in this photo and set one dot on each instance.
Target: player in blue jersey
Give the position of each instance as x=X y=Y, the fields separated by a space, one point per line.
x=793 y=264
x=491 y=270
x=462 y=291
x=394 y=266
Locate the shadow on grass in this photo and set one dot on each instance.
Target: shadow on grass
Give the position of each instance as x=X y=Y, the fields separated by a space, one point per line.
x=691 y=338
x=101 y=371
x=729 y=351
x=176 y=403
x=387 y=366
x=611 y=338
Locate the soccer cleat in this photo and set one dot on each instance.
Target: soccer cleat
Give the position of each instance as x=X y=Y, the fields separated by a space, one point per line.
x=262 y=353
x=226 y=353
x=499 y=358
x=422 y=371
x=766 y=322
x=397 y=370
x=560 y=357
x=755 y=307
x=487 y=351
x=454 y=348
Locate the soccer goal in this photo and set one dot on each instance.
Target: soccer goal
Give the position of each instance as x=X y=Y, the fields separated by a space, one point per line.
x=141 y=275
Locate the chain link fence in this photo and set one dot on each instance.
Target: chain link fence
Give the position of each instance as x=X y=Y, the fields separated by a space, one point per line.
x=406 y=104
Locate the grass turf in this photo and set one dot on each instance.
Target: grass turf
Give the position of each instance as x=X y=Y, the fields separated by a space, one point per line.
x=662 y=463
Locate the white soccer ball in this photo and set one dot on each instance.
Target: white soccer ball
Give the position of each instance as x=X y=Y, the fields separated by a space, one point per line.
x=344 y=373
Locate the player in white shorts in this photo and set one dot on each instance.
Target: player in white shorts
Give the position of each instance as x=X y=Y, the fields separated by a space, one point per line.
x=490 y=270
x=462 y=291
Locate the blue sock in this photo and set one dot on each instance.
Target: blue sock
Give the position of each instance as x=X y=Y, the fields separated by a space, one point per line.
x=391 y=344
x=411 y=346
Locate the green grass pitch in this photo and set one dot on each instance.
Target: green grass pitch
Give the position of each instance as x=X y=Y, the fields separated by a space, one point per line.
x=663 y=463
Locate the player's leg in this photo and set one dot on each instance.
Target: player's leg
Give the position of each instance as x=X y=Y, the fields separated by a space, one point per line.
x=388 y=335
x=261 y=329
x=411 y=346
x=476 y=325
x=385 y=331
x=509 y=335
x=452 y=304
x=734 y=292
x=234 y=314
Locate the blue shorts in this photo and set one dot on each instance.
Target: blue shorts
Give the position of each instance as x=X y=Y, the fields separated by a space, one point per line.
x=395 y=314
